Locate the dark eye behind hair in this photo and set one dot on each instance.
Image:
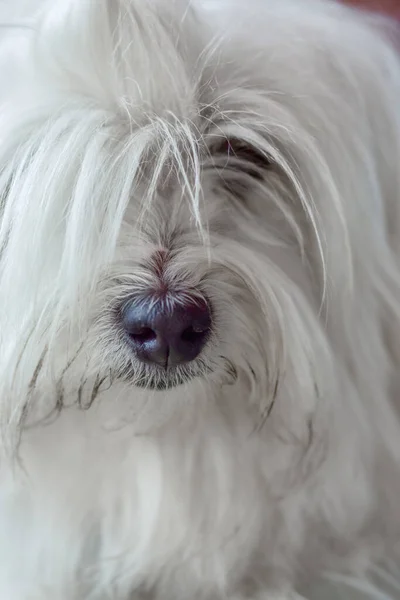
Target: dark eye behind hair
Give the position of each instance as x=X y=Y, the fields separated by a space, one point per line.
x=237 y=155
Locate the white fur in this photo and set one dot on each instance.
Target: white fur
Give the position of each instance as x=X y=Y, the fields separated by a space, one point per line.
x=279 y=460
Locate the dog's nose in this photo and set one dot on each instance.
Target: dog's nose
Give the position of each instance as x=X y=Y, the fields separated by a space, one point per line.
x=167 y=333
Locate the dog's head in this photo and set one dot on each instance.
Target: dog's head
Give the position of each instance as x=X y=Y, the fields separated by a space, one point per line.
x=163 y=224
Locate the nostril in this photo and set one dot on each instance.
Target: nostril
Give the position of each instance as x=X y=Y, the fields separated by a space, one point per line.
x=194 y=334
x=143 y=335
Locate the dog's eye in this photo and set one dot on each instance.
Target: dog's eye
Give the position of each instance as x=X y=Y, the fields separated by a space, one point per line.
x=238 y=155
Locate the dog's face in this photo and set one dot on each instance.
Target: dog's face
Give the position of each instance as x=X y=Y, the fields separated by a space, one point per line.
x=188 y=298
x=179 y=301
x=158 y=234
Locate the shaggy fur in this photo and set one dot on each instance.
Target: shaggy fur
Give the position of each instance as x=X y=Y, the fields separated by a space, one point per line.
x=244 y=153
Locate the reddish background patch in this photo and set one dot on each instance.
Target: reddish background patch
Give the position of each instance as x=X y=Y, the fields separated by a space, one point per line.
x=391 y=7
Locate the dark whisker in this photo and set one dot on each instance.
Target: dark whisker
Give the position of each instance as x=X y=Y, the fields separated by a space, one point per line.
x=267 y=412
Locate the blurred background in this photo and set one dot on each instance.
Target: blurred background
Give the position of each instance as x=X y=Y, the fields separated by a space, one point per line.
x=391 y=7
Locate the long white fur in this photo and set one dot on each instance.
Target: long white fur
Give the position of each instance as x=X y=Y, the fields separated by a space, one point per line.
x=279 y=460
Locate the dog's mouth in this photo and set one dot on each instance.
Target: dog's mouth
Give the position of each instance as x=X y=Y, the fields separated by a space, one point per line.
x=160 y=384
x=158 y=379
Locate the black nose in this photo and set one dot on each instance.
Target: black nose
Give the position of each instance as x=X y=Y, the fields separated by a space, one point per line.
x=167 y=333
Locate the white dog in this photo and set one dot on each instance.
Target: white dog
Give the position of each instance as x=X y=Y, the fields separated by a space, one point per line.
x=200 y=299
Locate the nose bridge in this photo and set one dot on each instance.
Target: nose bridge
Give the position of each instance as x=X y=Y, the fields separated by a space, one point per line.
x=173 y=252
x=181 y=266
x=173 y=214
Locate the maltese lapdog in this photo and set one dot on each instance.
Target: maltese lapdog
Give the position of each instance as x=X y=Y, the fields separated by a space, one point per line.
x=200 y=300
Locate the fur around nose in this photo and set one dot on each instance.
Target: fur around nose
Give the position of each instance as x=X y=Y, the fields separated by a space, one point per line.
x=167 y=333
